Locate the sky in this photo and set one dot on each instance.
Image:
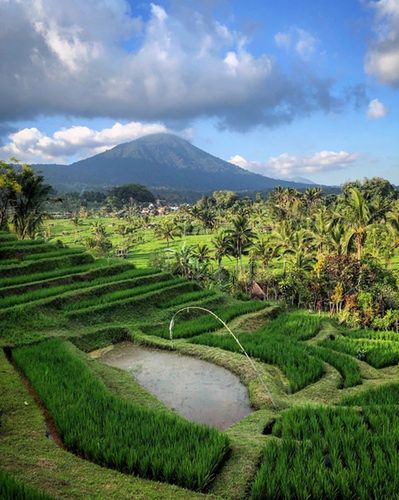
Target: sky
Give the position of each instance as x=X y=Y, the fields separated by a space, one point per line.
x=306 y=89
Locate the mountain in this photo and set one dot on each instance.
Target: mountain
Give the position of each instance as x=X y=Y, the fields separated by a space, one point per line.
x=157 y=161
x=301 y=180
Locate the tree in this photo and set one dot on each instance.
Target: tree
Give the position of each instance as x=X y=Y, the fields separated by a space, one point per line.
x=262 y=250
x=222 y=247
x=9 y=187
x=202 y=253
x=282 y=237
x=99 y=242
x=28 y=207
x=362 y=218
x=240 y=236
x=167 y=231
x=130 y=193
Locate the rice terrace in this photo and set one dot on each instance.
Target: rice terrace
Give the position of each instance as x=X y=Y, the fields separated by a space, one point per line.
x=199 y=250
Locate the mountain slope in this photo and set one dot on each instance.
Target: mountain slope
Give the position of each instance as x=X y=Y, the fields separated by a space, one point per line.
x=157 y=160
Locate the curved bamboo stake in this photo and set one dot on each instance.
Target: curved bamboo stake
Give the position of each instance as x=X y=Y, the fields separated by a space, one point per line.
x=188 y=308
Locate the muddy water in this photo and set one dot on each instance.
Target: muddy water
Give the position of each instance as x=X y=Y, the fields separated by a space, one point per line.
x=197 y=390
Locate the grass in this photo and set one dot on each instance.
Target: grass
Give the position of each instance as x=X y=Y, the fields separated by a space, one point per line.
x=343 y=453
x=11 y=489
x=45 y=264
x=20 y=283
x=132 y=307
x=94 y=423
x=276 y=344
x=346 y=365
x=79 y=287
x=385 y=395
x=378 y=354
x=204 y=322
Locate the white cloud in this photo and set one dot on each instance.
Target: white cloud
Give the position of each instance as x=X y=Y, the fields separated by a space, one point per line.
x=33 y=146
x=297 y=39
x=382 y=58
x=376 y=109
x=287 y=166
x=95 y=58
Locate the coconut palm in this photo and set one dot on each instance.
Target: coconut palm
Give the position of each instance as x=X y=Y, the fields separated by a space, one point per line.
x=28 y=207
x=262 y=250
x=202 y=253
x=240 y=236
x=222 y=247
x=282 y=238
x=184 y=256
x=362 y=218
x=167 y=231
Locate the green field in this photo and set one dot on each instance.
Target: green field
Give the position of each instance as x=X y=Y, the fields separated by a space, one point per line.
x=326 y=427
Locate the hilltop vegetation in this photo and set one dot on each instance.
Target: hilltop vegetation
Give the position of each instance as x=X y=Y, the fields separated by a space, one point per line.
x=332 y=253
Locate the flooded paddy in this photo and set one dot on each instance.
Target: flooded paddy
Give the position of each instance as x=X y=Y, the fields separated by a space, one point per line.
x=197 y=390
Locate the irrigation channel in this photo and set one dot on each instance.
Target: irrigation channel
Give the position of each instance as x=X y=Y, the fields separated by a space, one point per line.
x=197 y=390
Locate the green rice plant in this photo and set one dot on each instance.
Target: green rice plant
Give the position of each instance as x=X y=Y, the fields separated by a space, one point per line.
x=384 y=395
x=60 y=293
x=346 y=365
x=134 y=306
x=300 y=368
x=64 y=276
x=186 y=298
x=300 y=325
x=116 y=290
x=11 y=489
x=370 y=334
x=15 y=250
x=331 y=453
x=113 y=432
x=203 y=322
x=277 y=343
x=21 y=243
x=39 y=256
x=6 y=237
x=101 y=338
x=46 y=264
x=376 y=353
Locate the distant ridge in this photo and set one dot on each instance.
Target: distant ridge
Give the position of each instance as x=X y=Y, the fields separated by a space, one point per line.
x=158 y=161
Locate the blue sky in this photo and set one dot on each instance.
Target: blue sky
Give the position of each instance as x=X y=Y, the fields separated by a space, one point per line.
x=288 y=89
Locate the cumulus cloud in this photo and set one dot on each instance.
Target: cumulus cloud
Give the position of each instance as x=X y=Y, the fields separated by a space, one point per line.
x=297 y=39
x=287 y=166
x=382 y=58
x=376 y=109
x=33 y=146
x=95 y=58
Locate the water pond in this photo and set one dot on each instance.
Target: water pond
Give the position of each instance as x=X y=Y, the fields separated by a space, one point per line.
x=195 y=389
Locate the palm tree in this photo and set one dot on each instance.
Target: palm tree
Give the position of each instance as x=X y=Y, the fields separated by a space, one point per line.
x=221 y=244
x=282 y=237
x=29 y=203
x=167 y=231
x=9 y=187
x=300 y=250
x=322 y=227
x=362 y=218
x=262 y=250
x=338 y=239
x=241 y=237
x=202 y=253
x=311 y=197
x=184 y=256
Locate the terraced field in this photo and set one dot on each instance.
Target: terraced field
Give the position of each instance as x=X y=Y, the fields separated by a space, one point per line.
x=326 y=426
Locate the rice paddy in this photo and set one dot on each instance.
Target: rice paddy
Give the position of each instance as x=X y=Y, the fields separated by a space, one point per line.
x=331 y=432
